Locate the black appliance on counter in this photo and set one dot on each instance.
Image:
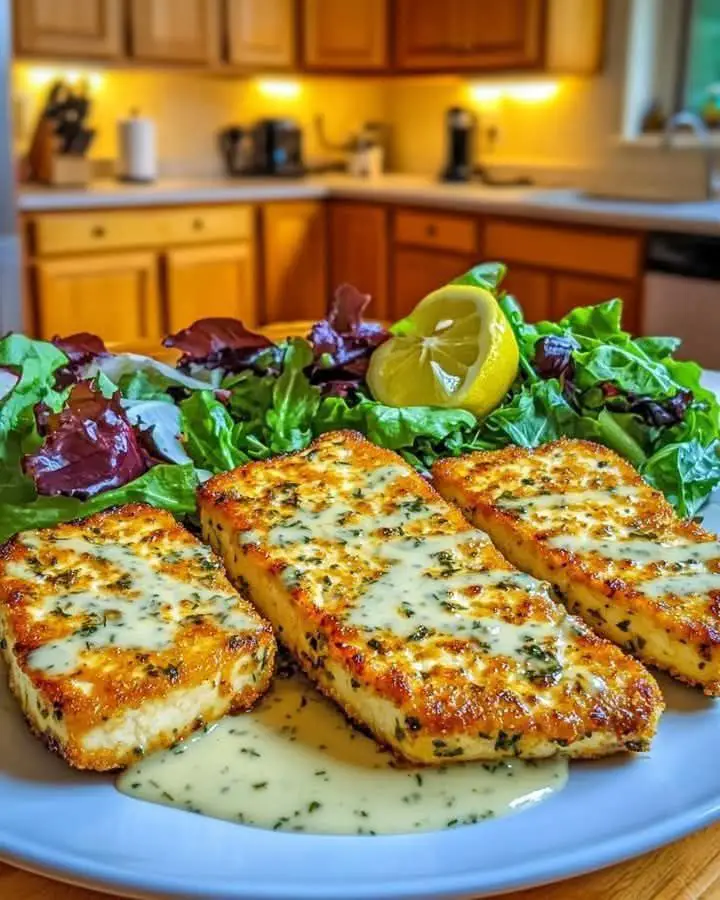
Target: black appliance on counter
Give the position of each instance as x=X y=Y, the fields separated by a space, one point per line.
x=237 y=149
x=460 y=125
x=272 y=147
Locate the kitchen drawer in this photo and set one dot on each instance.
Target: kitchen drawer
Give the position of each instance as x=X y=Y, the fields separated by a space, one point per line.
x=434 y=230
x=616 y=255
x=207 y=223
x=100 y=230
x=83 y=232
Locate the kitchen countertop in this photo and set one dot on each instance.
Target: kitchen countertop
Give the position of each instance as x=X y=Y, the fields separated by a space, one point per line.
x=562 y=205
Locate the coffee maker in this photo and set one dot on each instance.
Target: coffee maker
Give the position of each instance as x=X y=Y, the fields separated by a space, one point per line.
x=461 y=127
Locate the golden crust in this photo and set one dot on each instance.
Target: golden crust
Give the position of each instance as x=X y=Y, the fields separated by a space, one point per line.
x=41 y=572
x=441 y=683
x=495 y=490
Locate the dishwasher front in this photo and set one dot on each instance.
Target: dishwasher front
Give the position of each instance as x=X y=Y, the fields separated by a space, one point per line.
x=682 y=294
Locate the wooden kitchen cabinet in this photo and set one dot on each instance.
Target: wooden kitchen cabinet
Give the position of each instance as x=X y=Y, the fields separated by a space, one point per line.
x=175 y=31
x=554 y=268
x=217 y=280
x=294 y=261
x=359 y=251
x=345 y=35
x=113 y=295
x=570 y=291
x=418 y=272
x=456 y=35
x=74 y=28
x=532 y=288
x=261 y=33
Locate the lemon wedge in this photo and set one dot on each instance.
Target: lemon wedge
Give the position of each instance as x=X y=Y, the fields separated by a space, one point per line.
x=456 y=349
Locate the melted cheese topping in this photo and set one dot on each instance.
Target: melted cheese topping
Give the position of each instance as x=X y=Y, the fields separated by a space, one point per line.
x=420 y=586
x=411 y=619
x=620 y=540
x=136 y=606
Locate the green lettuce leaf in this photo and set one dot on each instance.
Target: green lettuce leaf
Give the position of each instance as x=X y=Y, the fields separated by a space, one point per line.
x=169 y=487
x=209 y=433
x=294 y=401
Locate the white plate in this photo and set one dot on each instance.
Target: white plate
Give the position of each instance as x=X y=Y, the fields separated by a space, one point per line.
x=79 y=828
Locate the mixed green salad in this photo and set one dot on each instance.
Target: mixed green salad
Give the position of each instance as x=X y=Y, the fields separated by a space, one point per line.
x=83 y=429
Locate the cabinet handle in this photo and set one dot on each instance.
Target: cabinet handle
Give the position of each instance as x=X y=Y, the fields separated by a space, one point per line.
x=98 y=231
x=431 y=231
x=198 y=224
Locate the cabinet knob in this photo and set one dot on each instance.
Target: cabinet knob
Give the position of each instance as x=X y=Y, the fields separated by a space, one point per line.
x=98 y=231
x=431 y=230
x=198 y=224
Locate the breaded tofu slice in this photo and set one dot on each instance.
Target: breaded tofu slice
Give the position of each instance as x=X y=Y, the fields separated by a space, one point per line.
x=411 y=620
x=122 y=635
x=579 y=516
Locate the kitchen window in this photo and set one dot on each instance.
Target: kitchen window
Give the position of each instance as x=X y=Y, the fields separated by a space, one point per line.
x=673 y=64
x=700 y=84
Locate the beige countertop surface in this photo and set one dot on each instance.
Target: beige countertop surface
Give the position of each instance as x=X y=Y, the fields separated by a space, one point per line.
x=562 y=205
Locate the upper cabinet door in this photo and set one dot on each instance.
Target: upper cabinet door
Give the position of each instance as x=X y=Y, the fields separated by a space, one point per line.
x=469 y=34
x=87 y=28
x=345 y=35
x=261 y=33
x=175 y=31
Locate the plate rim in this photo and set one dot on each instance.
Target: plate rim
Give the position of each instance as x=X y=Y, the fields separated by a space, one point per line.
x=570 y=863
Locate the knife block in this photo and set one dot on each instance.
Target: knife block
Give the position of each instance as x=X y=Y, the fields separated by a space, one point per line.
x=49 y=166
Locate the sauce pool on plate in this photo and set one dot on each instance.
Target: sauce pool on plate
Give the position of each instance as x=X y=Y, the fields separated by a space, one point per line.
x=294 y=764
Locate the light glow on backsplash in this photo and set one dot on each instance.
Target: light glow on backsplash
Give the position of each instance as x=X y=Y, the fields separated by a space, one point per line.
x=44 y=76
x=492 y=94
x=279 y=88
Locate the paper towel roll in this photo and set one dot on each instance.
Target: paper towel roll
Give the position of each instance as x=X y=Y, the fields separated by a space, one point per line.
x=137 y=155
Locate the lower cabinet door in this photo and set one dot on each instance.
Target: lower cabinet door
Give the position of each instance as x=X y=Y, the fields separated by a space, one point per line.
x=532 y=290
x=210 y=281
x=114 y=296
x=570 y=291
x=294 y=261
x=417 y=272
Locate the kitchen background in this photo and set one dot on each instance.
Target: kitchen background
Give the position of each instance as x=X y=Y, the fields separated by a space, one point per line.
x=556 y=111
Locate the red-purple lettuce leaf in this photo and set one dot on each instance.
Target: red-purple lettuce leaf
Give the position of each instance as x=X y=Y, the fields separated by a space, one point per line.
x=217 y=343
x=343 y=343
x=88 y=447
x=81 y=348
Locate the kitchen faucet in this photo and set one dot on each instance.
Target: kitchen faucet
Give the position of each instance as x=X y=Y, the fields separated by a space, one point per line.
x=688 y=119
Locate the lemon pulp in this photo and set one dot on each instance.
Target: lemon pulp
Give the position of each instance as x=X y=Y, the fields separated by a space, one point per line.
x=458 y=351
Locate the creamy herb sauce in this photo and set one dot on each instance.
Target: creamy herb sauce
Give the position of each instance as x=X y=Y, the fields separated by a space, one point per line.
x=142 y=612
x=294 y=764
